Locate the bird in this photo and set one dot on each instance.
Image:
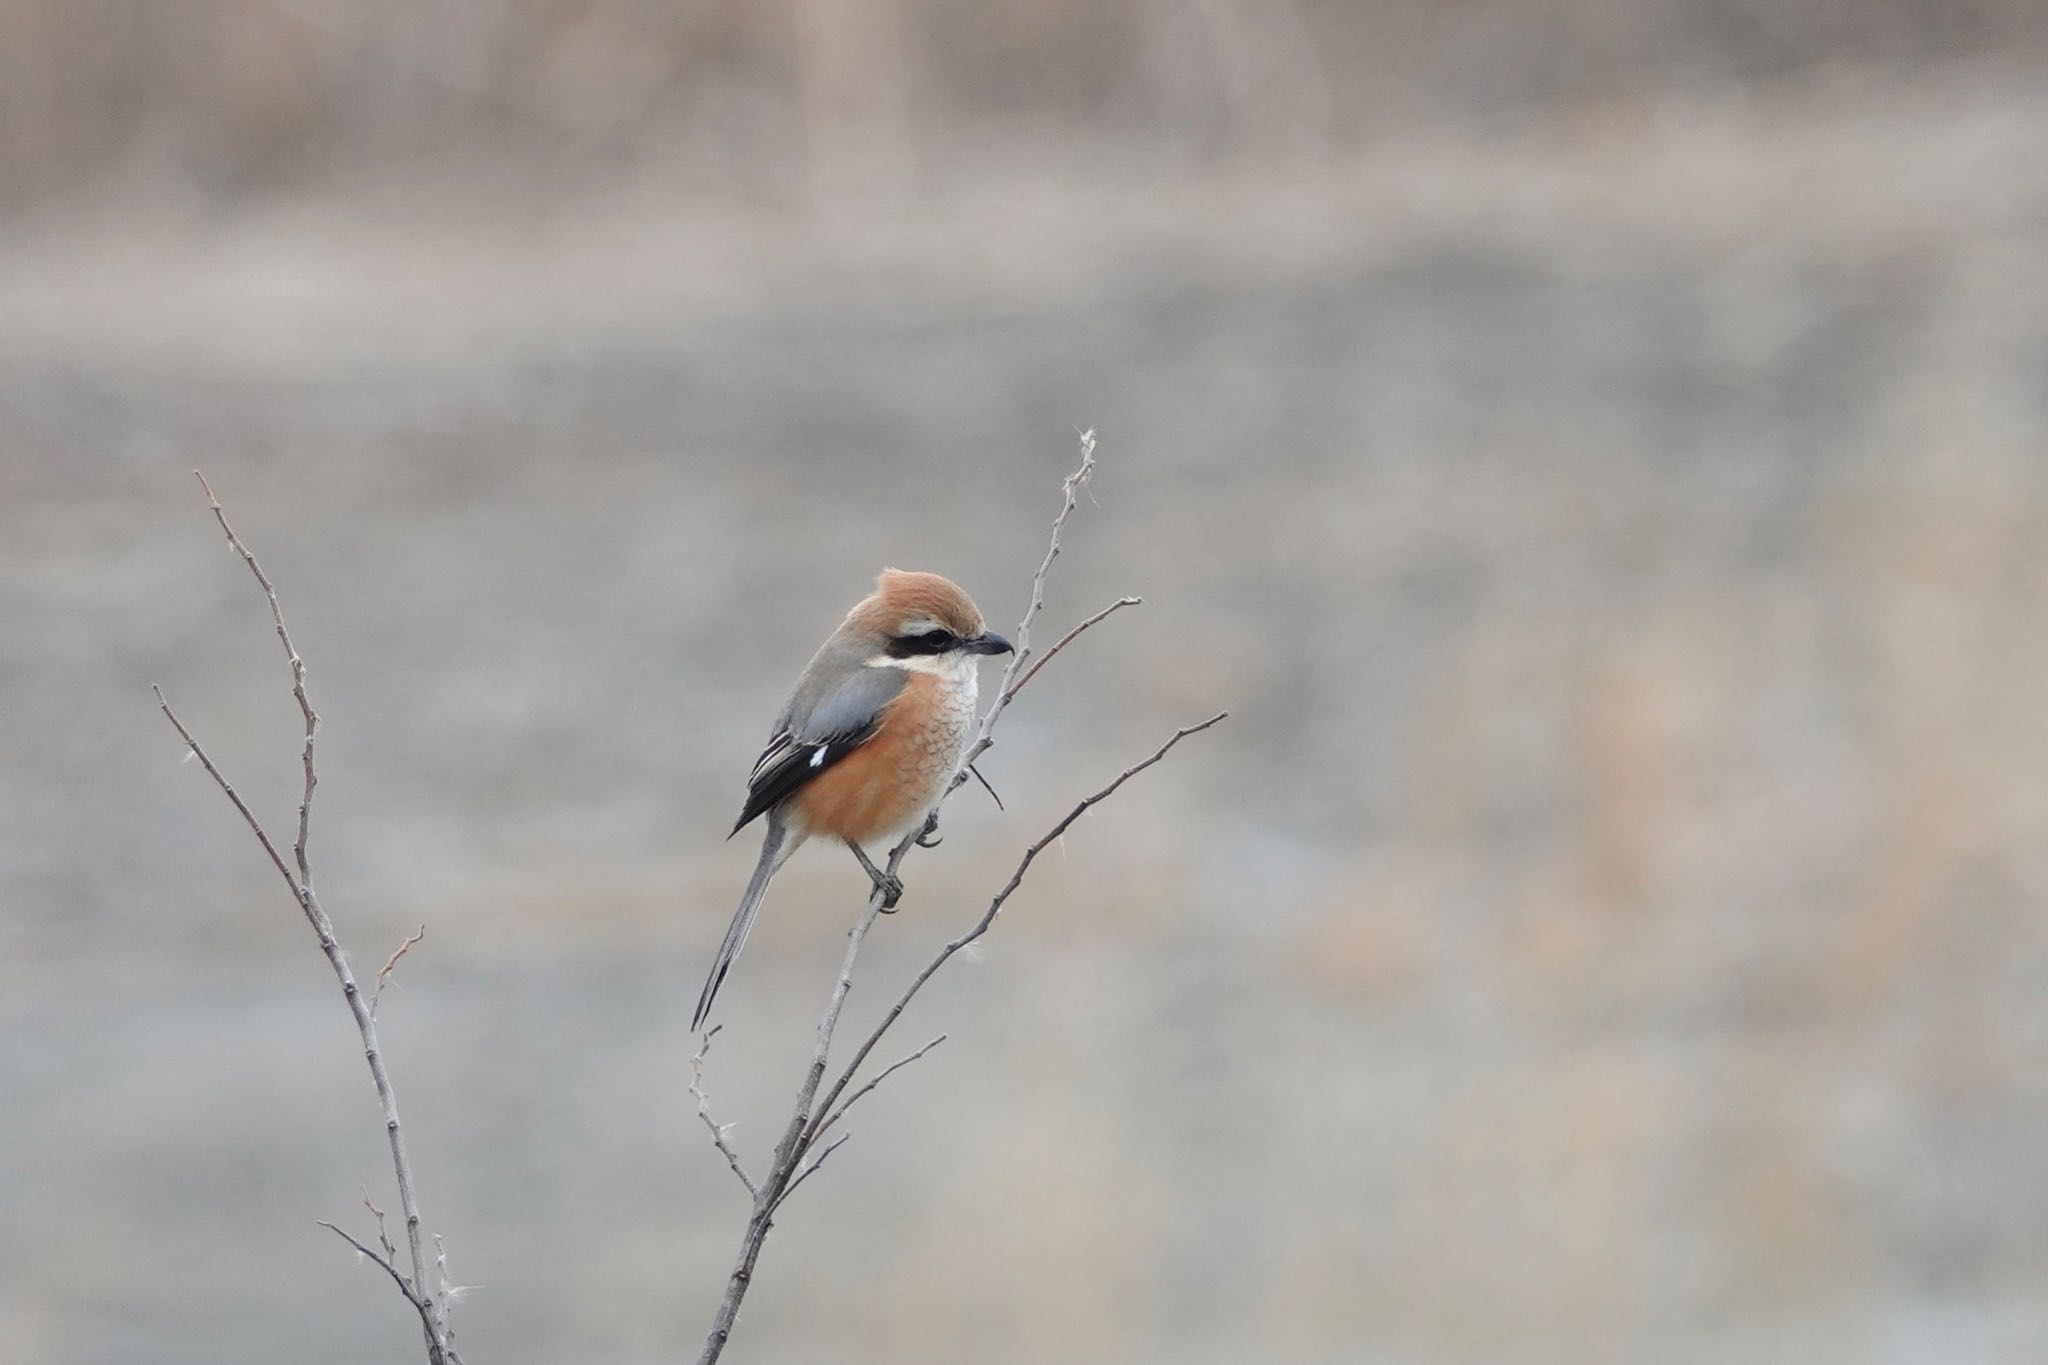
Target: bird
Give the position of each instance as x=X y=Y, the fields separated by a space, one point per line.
x=869 y=739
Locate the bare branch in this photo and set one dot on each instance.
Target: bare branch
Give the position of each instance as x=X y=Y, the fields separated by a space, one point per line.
x=432 y=1312
x=1007 y=689
x=424 y=1307
x=384 y=1264
x=382 y=1239
x=718 y=1130
x=881 y=1076
x=384 y=972
x=227 y=787
x=988 y=916
x=807 y=1172
x=298 y=676
x=1068 y=639
x=986 y=786
x=789 y=1151
x=402 y=949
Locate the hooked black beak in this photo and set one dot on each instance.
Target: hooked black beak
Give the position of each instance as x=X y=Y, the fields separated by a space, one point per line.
x=988 y=642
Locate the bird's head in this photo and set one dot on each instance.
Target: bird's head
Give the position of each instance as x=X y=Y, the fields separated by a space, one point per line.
x=924 y=616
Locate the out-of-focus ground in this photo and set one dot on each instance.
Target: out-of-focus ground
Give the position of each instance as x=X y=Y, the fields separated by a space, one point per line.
x=1598 y=452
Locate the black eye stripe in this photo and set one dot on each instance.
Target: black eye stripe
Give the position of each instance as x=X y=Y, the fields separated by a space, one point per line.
x=929 y=642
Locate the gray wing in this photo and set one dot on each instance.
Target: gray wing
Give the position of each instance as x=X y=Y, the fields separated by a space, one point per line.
x=832 y=724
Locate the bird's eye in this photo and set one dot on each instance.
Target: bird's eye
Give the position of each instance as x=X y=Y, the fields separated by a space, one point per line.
x=926 y=642
x=935 y=641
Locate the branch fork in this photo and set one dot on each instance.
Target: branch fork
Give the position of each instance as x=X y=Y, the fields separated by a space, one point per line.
x=298 y=876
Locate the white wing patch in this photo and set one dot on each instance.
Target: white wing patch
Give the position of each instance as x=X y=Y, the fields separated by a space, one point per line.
x=818 y=758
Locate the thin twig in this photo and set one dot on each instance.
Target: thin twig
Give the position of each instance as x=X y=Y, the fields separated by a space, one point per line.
x=383 y=1263
x=384 y=972
x=1068 y=639
x=986 y=786
x=433 y=1313
x=718 y=1130
x=807 y=1172
x=1007 y=688
x=383 y=1239
x=298 y=664
x=879 y=1077
x=988 y=916
x=221 y=780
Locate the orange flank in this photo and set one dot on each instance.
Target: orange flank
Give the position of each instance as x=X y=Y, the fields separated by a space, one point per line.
x=888 y=782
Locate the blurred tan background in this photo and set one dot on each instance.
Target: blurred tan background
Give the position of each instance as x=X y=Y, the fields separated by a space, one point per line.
x=1596 y=450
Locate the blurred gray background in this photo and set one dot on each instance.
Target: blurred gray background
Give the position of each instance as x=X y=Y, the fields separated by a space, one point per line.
x=1594 y=447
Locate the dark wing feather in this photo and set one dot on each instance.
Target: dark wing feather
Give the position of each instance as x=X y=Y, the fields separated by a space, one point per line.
x=790 y=764
x=808 y=745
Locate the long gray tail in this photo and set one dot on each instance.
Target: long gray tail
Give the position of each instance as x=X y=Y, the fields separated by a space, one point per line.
x=776 y=847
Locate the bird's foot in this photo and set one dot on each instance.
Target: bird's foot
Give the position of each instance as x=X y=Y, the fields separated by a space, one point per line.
x=890 y=885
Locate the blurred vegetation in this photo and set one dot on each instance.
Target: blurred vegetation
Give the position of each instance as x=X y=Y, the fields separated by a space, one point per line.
x=238 y=98
x=1595 y=450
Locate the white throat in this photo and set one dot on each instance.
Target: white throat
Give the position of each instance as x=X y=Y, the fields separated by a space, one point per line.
x=955 y=668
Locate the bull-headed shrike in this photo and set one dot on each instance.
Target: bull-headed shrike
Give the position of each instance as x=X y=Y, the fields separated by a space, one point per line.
x=870 y=736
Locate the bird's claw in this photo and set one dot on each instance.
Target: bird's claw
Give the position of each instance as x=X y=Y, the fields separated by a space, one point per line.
x=931 y=838
x=888 y=883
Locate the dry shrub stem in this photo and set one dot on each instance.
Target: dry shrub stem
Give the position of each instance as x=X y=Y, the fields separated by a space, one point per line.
x=432 y=1310
x=884 y=1074
x=797 y=1155
x=718 y=1130
x=391 y=965
x=811 y=1117
x=1068 y=639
